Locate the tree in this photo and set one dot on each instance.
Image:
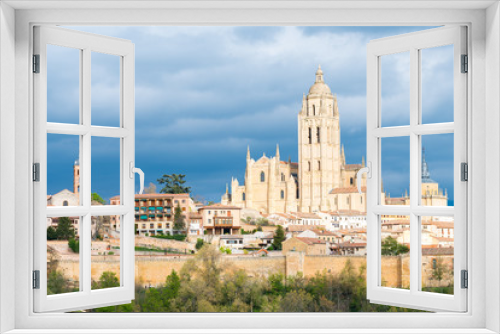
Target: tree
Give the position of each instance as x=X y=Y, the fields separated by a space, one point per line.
x=51 y=233
x=390 y=246
x=199 y=244
x=151 y=189
x=97 y=198
x=64 y=230
x=262 y=222
x=173 y=184
x=56 y=283
x=248 y=220
x=279 y=237
x=179 y=223
x=108 y=279
x=438 y=269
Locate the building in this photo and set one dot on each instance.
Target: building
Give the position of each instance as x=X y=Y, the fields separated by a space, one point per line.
x=194 y=222
x=154 y=213
x=219 y=219
x=321 y=180
x=309 y=246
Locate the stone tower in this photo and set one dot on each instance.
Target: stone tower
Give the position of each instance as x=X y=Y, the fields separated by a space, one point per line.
x=76 y=177
x=319 y=146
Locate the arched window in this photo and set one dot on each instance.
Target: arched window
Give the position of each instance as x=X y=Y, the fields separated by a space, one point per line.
x=434 y=264
x=318 y=135
x=243 y=197
x=262 y=177
x=309 y=166
x=65 y=203
x=282 y=194
x=352 y=181
x=314 y=110
x=310 y=136
x=319 y=165
x=282 y=177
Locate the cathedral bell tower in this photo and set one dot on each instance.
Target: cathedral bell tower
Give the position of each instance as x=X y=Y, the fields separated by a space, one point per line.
x=319 y=146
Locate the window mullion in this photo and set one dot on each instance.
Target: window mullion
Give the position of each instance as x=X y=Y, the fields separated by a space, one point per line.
x=85 y=190
x=414 y=169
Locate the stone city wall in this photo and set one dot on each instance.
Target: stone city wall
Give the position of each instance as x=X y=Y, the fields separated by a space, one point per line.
x=153 y=270
x=158 y=243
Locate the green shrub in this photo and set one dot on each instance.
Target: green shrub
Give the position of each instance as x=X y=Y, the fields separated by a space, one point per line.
x=74 y=245
x=178 y=237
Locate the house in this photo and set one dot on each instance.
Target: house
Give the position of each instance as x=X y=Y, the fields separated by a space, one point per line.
x=218 y=219
x=310 y=246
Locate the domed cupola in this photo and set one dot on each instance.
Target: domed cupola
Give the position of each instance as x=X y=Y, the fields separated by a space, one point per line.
x=319 y=87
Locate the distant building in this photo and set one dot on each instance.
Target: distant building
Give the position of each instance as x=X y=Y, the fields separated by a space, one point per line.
x=272 y=185
x=194 y=222
x=154 y=213
x=310 y=246
x=221 y=219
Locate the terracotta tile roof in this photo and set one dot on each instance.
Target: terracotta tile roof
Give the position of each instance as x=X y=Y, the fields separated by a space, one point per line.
x=307 y=215
x=311 y=241
x=347 y=190
x=353 y=244
x=156 y=196
x=220 y=206
x=352 y=166
x=448 y=225
x=442 y=239
x=300 y=228
x=324 y=233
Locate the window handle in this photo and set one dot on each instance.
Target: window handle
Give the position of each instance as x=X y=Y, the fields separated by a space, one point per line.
x=359 y=174
x=139 y=171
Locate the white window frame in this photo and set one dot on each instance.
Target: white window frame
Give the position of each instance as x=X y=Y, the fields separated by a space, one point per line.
x=86 y=44
x=483 y=20
x=413 y=43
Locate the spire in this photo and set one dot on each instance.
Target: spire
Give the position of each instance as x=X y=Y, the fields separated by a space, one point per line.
x=248 y=153
x=335 y=106
x=426 y=175
x=343 y=155
x=319 y=75
x=227 y=188
x=278 y=152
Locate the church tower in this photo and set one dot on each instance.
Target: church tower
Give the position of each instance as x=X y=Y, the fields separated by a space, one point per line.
x=76 y=177
x=319 y=146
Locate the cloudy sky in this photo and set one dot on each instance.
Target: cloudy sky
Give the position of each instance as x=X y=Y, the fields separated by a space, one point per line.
x=203 y=94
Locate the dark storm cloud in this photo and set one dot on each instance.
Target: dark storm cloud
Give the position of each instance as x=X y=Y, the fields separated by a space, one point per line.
x=203 y=94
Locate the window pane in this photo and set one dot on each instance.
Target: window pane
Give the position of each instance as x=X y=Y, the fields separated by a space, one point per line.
x=105 y=171
x=437 y=84
x=105 y=89
x=105 y=251
x=63 y=255
x=63 y=170
x=395 y=251
x=395 y=89
x=437 y=170
x=437 y=235
x=395 y=170
x=63 y=84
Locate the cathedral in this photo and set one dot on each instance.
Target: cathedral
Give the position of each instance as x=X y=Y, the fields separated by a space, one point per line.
x=321 y=180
